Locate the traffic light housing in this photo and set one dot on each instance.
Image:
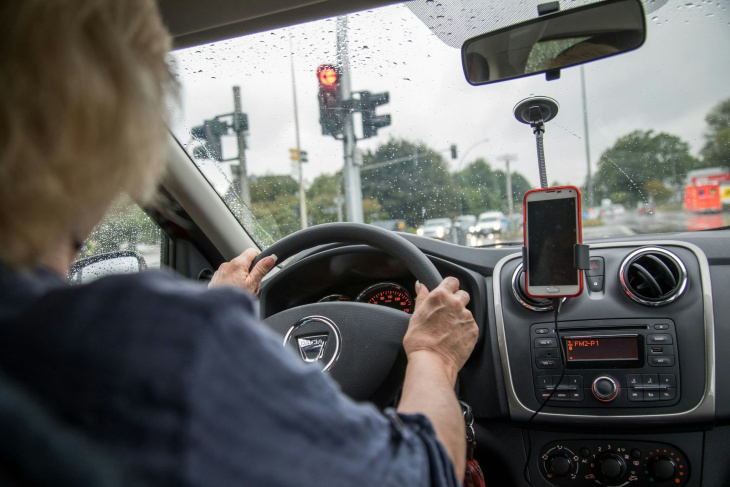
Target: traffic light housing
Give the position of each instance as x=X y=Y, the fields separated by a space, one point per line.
x=454 y=151
x=332 y=111
x=371 y=122
x=210 y=134
x=297 y=155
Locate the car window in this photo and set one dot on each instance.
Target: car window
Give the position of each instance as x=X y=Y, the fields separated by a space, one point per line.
x=654 y=134
x=126 y=240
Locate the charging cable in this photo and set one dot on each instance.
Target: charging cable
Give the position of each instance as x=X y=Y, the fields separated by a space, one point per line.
x=557 y=304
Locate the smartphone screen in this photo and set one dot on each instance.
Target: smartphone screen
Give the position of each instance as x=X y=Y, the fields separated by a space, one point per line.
x=552 y=230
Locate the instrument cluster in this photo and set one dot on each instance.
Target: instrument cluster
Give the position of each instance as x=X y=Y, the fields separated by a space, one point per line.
x=381 y=294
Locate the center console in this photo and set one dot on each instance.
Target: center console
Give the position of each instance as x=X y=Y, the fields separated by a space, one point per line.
x=615 y=372
x=608 y=363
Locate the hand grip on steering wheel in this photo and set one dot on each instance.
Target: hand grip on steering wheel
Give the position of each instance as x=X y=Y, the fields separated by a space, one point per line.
x=389 y=242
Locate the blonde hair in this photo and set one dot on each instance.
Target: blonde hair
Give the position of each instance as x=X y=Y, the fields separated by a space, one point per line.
x=83 y=86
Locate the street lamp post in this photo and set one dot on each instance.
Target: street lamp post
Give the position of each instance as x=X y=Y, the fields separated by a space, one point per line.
x=507 y=158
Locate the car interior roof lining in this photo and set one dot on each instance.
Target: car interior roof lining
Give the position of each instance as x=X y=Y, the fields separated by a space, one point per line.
x=193 y=22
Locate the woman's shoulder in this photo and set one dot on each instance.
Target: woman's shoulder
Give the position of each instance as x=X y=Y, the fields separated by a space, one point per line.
x=157 y=296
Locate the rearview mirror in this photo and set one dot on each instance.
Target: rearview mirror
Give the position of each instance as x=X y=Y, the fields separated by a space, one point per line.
x=554 y=41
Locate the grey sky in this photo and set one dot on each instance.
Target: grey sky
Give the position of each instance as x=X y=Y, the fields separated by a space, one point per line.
x=667 y=85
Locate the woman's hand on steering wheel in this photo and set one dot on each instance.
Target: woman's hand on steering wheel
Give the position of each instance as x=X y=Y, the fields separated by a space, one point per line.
x=236 y=272
x=441 y=325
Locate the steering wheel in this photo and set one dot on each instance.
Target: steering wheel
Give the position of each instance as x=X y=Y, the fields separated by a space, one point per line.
x=360 y=344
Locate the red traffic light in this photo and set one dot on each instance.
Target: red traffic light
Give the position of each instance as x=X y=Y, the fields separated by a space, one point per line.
x=327 y=75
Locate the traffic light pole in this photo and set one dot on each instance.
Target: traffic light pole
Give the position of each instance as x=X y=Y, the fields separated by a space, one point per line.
x=353 y=184
x=240 y=174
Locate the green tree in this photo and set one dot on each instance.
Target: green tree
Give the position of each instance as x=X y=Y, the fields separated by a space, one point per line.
x=482 y=188
x=322 y=204
x=657 y=192
x=478 y=188
x=124 y=226
x=716 y=151
x=626 y=167
x=268 y=188
x=321 y=195
x=275 y=204
x=284 y=211
x=412 y=190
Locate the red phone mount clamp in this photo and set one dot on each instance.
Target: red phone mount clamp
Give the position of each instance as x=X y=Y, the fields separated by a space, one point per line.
x=581 y=257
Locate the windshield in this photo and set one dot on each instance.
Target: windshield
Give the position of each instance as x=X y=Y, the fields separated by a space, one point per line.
x=650 y=155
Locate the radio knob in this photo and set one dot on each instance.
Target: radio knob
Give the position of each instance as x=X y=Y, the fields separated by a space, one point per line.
x=605 y=389
x=612 y=466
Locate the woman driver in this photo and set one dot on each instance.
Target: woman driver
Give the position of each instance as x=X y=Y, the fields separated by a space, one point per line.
x=179 y=384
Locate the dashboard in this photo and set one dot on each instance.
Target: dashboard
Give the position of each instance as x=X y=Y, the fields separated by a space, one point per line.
x=639 y=396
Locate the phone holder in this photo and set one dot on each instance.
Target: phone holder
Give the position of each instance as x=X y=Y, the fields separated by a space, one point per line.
x=581 y=257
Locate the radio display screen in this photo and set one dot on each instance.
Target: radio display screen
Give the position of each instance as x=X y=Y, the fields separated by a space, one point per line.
x=602 y=348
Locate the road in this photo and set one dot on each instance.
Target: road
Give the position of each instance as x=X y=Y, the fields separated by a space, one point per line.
x=630 y=223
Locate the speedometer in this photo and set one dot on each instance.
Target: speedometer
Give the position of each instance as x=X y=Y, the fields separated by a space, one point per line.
x=387 y=294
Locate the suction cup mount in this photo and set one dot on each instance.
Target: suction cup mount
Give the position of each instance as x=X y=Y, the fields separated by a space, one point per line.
x=535 y=112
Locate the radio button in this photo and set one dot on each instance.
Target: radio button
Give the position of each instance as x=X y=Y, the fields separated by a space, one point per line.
x=544 y=394
x=667 y=394
x=659 y=339
x=546 y=363
x=650 y=380
x=651 y=395
x=545 y=381
x=661 y=361
x=661 y=326
x=660 y=350
x=595 y=284
x=542 y=331
x=633 y=380
x=561 y=396
x=577 y=396
x=547 y=353
x=668 y=380
x=546 y=343
x=575 y=380
x=636 y=395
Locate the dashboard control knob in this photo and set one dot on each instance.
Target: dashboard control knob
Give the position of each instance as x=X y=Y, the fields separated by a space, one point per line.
x=663 y=468
x=560 y=465
x=612 y=466
x=605 y=389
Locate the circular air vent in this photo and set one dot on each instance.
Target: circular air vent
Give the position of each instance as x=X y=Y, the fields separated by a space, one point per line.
x=518 y=291
x=653 y=276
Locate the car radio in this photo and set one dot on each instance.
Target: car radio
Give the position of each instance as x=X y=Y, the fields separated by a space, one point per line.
x=629 y=363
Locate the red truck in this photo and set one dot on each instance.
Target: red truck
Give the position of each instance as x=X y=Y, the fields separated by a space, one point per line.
x=707 y=190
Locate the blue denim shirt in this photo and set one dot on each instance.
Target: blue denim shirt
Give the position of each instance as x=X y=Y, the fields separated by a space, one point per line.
x=184 y=386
